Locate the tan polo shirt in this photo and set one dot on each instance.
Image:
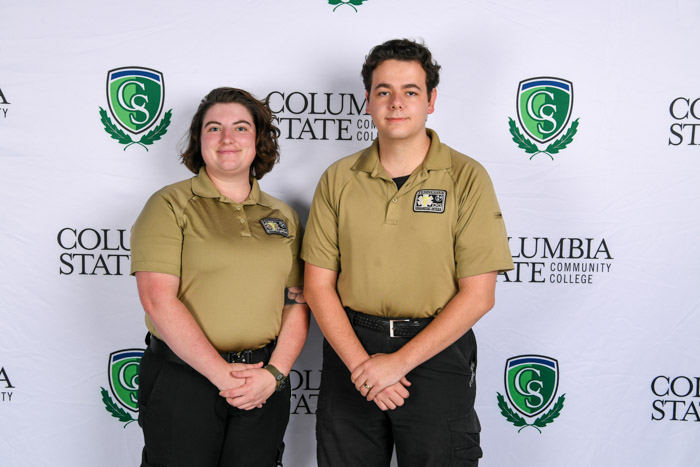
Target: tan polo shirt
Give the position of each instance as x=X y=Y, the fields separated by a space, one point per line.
x=400 y=253
x=233 y=260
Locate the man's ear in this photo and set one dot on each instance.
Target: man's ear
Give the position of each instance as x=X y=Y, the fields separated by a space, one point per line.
x=431 y=102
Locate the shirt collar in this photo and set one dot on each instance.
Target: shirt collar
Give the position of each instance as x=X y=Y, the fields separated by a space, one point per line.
x=203 y=186
x=438 y=156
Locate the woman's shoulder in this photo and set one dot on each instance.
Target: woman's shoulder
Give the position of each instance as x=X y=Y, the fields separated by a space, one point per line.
x=277 y=204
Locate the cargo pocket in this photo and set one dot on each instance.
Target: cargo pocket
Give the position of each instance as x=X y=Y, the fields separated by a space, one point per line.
x=464 y=433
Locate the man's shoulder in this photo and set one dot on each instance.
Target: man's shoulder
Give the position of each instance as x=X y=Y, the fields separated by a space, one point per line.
x=464 y=167
x=346 y=163
x=344 y=168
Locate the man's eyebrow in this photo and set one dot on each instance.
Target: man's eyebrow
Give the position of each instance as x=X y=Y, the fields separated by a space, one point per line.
x=403 y=86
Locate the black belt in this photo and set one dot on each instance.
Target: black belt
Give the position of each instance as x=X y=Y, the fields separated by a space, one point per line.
x=161 y=349
x=394 y=327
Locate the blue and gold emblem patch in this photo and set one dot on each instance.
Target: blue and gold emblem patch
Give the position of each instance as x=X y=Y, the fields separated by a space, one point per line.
x=429 y=201
x=274 y=226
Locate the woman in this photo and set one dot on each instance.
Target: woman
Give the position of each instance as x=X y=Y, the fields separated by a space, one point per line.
x=218 y=274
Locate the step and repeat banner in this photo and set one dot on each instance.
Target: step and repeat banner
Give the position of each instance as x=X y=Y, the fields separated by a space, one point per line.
x=585 y=114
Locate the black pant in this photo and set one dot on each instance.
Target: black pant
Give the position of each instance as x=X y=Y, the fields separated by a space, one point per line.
x=437 y=425
x=186 y=423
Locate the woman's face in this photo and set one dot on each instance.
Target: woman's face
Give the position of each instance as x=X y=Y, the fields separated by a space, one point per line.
x=228 y=141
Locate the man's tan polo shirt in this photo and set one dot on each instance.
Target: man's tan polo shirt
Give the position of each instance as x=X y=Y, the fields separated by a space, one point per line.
x=400 y=253
x=233 y=260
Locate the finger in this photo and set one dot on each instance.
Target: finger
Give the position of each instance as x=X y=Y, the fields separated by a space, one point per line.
x=396 y=399
x=247 y=373
x=358 y=372
x=405 y=382
x=381 y=405
x=389 y=403
x=401 y=391
x=372 y=392
x=235 y=393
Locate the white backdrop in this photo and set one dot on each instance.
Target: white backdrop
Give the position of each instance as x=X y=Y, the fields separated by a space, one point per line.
x=621 y=200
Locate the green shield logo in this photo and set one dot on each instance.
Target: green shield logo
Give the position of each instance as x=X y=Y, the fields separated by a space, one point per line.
x=531 y=383
x=135 y=97
x=544 y=106
x=124 y=376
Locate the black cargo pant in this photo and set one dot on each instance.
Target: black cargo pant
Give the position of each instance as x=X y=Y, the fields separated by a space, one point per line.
x=437 y=425
x=186 y=423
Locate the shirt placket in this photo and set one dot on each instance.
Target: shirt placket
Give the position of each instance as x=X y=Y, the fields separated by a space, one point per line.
x=243 y=220
x=393 y=209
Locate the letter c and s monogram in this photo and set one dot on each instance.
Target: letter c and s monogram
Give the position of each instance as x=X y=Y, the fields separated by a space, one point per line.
x=133 y=106
x=532 y=388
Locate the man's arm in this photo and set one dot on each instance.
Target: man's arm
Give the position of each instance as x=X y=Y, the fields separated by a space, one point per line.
x=177 y=326
x=260 y=384
x=476 y=296
x=322 y=296
x=330 y=315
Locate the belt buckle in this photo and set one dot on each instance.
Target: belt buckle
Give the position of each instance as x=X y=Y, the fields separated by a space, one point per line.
x=391 y=325
x=239 y=357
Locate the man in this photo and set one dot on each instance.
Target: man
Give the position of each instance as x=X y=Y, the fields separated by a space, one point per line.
x=403 y=246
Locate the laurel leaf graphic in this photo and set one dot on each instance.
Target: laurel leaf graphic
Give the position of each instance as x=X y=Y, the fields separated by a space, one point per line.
x=113 y=130
x=334 y=2
x=520 y=139
x=552 y=414
x=356 y=2
x=564 y=141
x=116 y=411
x=507 y=412
x=156 y=133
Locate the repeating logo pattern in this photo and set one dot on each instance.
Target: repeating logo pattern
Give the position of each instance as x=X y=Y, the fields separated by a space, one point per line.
x=531 y=383
x=135 y=98
x=123 y=371
x=544 y=108
x=350 y=3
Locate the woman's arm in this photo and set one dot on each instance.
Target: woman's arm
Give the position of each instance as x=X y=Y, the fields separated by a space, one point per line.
x=176 y=325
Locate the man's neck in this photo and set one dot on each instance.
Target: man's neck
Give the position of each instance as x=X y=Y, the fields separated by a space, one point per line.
x=401 y=157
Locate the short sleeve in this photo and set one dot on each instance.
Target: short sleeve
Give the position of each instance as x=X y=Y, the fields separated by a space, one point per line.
x=320 y=246
x=481 y=241
x=156 y=238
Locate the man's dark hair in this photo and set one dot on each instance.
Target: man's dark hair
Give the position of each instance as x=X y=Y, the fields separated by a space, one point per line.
x=267 y=151
x=405 y=50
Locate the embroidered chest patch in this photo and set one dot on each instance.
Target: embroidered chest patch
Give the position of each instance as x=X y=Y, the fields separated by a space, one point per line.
x=274 y=226
x=429 y=201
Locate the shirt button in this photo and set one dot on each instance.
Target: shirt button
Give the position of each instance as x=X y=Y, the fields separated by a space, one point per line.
x=238 y=208
x=394 y=200
x=242 y=221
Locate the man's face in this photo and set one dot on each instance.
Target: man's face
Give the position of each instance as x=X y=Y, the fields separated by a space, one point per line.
x=398 y=100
